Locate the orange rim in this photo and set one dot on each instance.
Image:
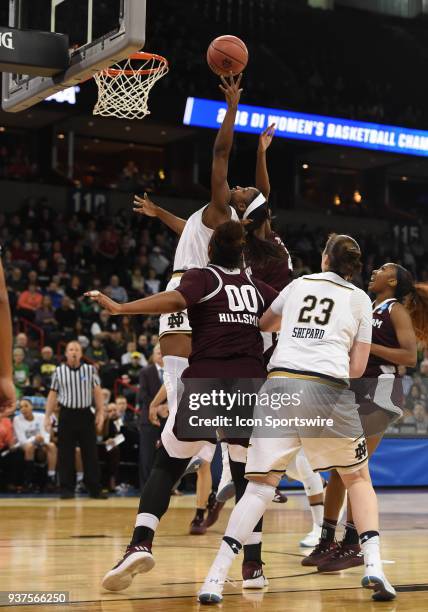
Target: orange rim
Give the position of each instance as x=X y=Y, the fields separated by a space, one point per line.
x=142 y=56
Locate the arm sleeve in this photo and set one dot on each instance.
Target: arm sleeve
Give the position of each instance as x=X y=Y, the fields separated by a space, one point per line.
x=365 y=317
x=54 y=381
x=277 y=305
x=194 y=285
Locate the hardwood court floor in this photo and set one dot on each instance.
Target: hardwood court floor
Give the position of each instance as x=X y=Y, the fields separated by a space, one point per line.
x=53 y=545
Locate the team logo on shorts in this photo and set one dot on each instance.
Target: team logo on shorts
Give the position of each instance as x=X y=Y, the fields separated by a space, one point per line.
x=361 y=450
x=176 y=319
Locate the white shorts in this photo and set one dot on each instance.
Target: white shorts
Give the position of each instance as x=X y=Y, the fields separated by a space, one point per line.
x=341 y=445
x=175 y=322
x=274 y=454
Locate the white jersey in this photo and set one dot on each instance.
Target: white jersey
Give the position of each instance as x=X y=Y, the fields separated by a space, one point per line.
x=322 y=316
x=192 y=248
x=26 y=431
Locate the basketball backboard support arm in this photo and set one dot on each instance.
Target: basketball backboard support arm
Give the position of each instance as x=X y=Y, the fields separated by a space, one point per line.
x=22 y=91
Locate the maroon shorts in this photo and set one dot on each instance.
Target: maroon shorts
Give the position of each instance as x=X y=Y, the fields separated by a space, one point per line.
x=227 y=368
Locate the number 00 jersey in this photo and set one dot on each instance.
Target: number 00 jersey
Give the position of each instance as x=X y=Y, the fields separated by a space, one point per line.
x=322 y=316
x=224 y=308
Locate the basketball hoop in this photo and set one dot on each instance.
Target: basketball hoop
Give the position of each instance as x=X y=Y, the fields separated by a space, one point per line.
x=123 y=90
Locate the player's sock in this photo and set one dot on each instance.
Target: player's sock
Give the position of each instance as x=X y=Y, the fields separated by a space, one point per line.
x=317 y=511
x=79 y=477
x=328 y=531
x=200 y=512
x=253 y=546
x=156 y=494
x=351 y=534
x=51 y=473
x=370 y=545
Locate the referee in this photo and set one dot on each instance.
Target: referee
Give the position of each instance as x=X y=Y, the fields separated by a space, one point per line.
x=74 y=386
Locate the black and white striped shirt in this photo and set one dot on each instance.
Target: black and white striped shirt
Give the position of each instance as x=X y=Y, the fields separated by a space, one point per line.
x=75 y=385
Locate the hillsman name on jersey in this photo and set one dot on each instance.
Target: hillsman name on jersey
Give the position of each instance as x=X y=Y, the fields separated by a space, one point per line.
x=308 y=332
x=248 y=319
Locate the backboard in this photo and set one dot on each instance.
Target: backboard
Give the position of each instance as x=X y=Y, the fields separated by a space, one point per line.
x=101 y=33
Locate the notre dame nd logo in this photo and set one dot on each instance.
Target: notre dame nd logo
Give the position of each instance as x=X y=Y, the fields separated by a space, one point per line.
x=361 y=450
x=176 y=319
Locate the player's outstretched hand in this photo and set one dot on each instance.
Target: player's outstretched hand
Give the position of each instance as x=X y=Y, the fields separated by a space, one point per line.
x=144 y=206
x=231 y=89
x=104 y=301
x=266 y=137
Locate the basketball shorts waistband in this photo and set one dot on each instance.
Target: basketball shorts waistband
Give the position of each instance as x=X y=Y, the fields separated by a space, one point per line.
x=307 y=375
x=178 y=273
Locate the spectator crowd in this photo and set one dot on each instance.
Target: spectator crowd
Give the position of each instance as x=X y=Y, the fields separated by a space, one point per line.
x=51 y=259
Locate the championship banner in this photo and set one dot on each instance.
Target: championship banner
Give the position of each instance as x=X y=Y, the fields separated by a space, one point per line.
x=313 y=128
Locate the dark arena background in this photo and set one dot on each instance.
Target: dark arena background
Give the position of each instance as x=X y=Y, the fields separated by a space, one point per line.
x=344 y=82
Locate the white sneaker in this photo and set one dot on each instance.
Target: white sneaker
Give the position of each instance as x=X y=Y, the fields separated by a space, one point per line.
x=212 y=589
x=383 y=590
x=312 y=538
x=136 y=560
x=253 y=577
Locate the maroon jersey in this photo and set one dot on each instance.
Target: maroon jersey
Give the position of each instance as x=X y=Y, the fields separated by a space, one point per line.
x=224 y=307
x=383 y=334
x=276 y=274
x=379 y=391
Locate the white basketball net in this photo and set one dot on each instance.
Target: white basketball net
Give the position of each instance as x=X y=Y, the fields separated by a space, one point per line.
x=123 y=89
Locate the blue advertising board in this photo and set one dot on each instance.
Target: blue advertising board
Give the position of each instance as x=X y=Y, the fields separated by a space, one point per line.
x=314 y=128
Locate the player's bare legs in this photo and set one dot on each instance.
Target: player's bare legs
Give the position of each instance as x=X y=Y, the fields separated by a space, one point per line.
x=252 y=506
x=327 y=555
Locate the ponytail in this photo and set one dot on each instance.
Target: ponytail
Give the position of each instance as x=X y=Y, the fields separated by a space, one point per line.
x=414 y=296
x=344 y=255
x=417 y=305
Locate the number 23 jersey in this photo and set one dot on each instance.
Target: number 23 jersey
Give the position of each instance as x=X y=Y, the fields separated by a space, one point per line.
x=322 y=316
x=224 y=308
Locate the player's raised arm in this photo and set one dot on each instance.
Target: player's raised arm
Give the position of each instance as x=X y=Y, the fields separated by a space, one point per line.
x=145 y=206
x=262 y=175
x=218 y=211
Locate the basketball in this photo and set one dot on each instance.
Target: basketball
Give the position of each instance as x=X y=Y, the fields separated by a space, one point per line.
x=227 y=54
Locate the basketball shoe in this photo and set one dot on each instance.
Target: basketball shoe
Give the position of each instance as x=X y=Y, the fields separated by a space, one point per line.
x=252 y=575
x=312 y=538
x=345 y=557
x=322 y=551
x=212 y=589
x=136 y=560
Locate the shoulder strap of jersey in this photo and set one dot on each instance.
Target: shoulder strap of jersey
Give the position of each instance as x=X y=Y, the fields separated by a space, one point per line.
x=385 y=305
x=248 y=275
x=217 y=289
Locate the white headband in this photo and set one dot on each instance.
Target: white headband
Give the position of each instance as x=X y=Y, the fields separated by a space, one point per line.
x=259 y=201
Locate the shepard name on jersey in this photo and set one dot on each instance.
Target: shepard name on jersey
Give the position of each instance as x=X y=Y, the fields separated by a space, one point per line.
x=308 y=332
